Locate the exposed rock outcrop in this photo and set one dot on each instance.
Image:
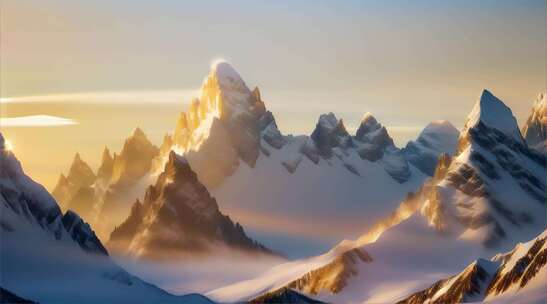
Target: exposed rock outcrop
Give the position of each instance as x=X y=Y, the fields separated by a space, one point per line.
x=179 y=217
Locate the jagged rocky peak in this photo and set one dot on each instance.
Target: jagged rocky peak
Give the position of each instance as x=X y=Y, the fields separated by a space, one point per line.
x=178 y=216
x=166 y=144
x=371 y=131
x=535 y=128
x=80 y=175
x=62 y=181
x=80 y=172
x=492 y=170
x=178 y=168
x=492 y=113
x=225 y=93
x=107 y=163
x=374 y=141
x=436 y=138
x=135 y=159
x=329 y=133
x=225 y=120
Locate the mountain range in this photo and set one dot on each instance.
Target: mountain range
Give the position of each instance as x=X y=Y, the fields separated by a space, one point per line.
x=441 y=209
x=51 y=257
x=231 y=140
x=487 y=197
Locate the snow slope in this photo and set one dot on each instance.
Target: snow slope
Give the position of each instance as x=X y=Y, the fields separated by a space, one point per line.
x=518 y=275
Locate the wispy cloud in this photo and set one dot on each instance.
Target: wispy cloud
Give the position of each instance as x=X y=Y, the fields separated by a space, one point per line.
x=36 y=121
x=126 y=97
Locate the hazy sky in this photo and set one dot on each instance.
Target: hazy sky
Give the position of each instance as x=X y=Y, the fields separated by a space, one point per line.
x=408 y=62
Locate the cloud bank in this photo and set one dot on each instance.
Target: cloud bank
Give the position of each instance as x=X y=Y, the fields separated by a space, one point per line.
x=36 y=121
x=124 y=97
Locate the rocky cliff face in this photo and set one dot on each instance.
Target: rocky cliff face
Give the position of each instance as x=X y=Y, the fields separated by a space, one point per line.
x=535 y=128
x=330 y=133
x=179 y=217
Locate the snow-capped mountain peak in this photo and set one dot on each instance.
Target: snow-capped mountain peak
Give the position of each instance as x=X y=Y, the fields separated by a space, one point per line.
x=225 y=74
x=440 y=127
x=368 y=124
x=330 y=133
x=493 y=113
x=436 y=138
x=371 y=131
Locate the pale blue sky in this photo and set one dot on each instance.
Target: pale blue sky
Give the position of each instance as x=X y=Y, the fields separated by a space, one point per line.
x=407 y=62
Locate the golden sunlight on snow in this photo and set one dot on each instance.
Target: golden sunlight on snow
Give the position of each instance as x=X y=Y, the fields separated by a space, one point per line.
x=8 y=145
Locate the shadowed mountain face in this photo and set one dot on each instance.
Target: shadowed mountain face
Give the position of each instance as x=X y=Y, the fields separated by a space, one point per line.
x=9 y=297
x=179 y=217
